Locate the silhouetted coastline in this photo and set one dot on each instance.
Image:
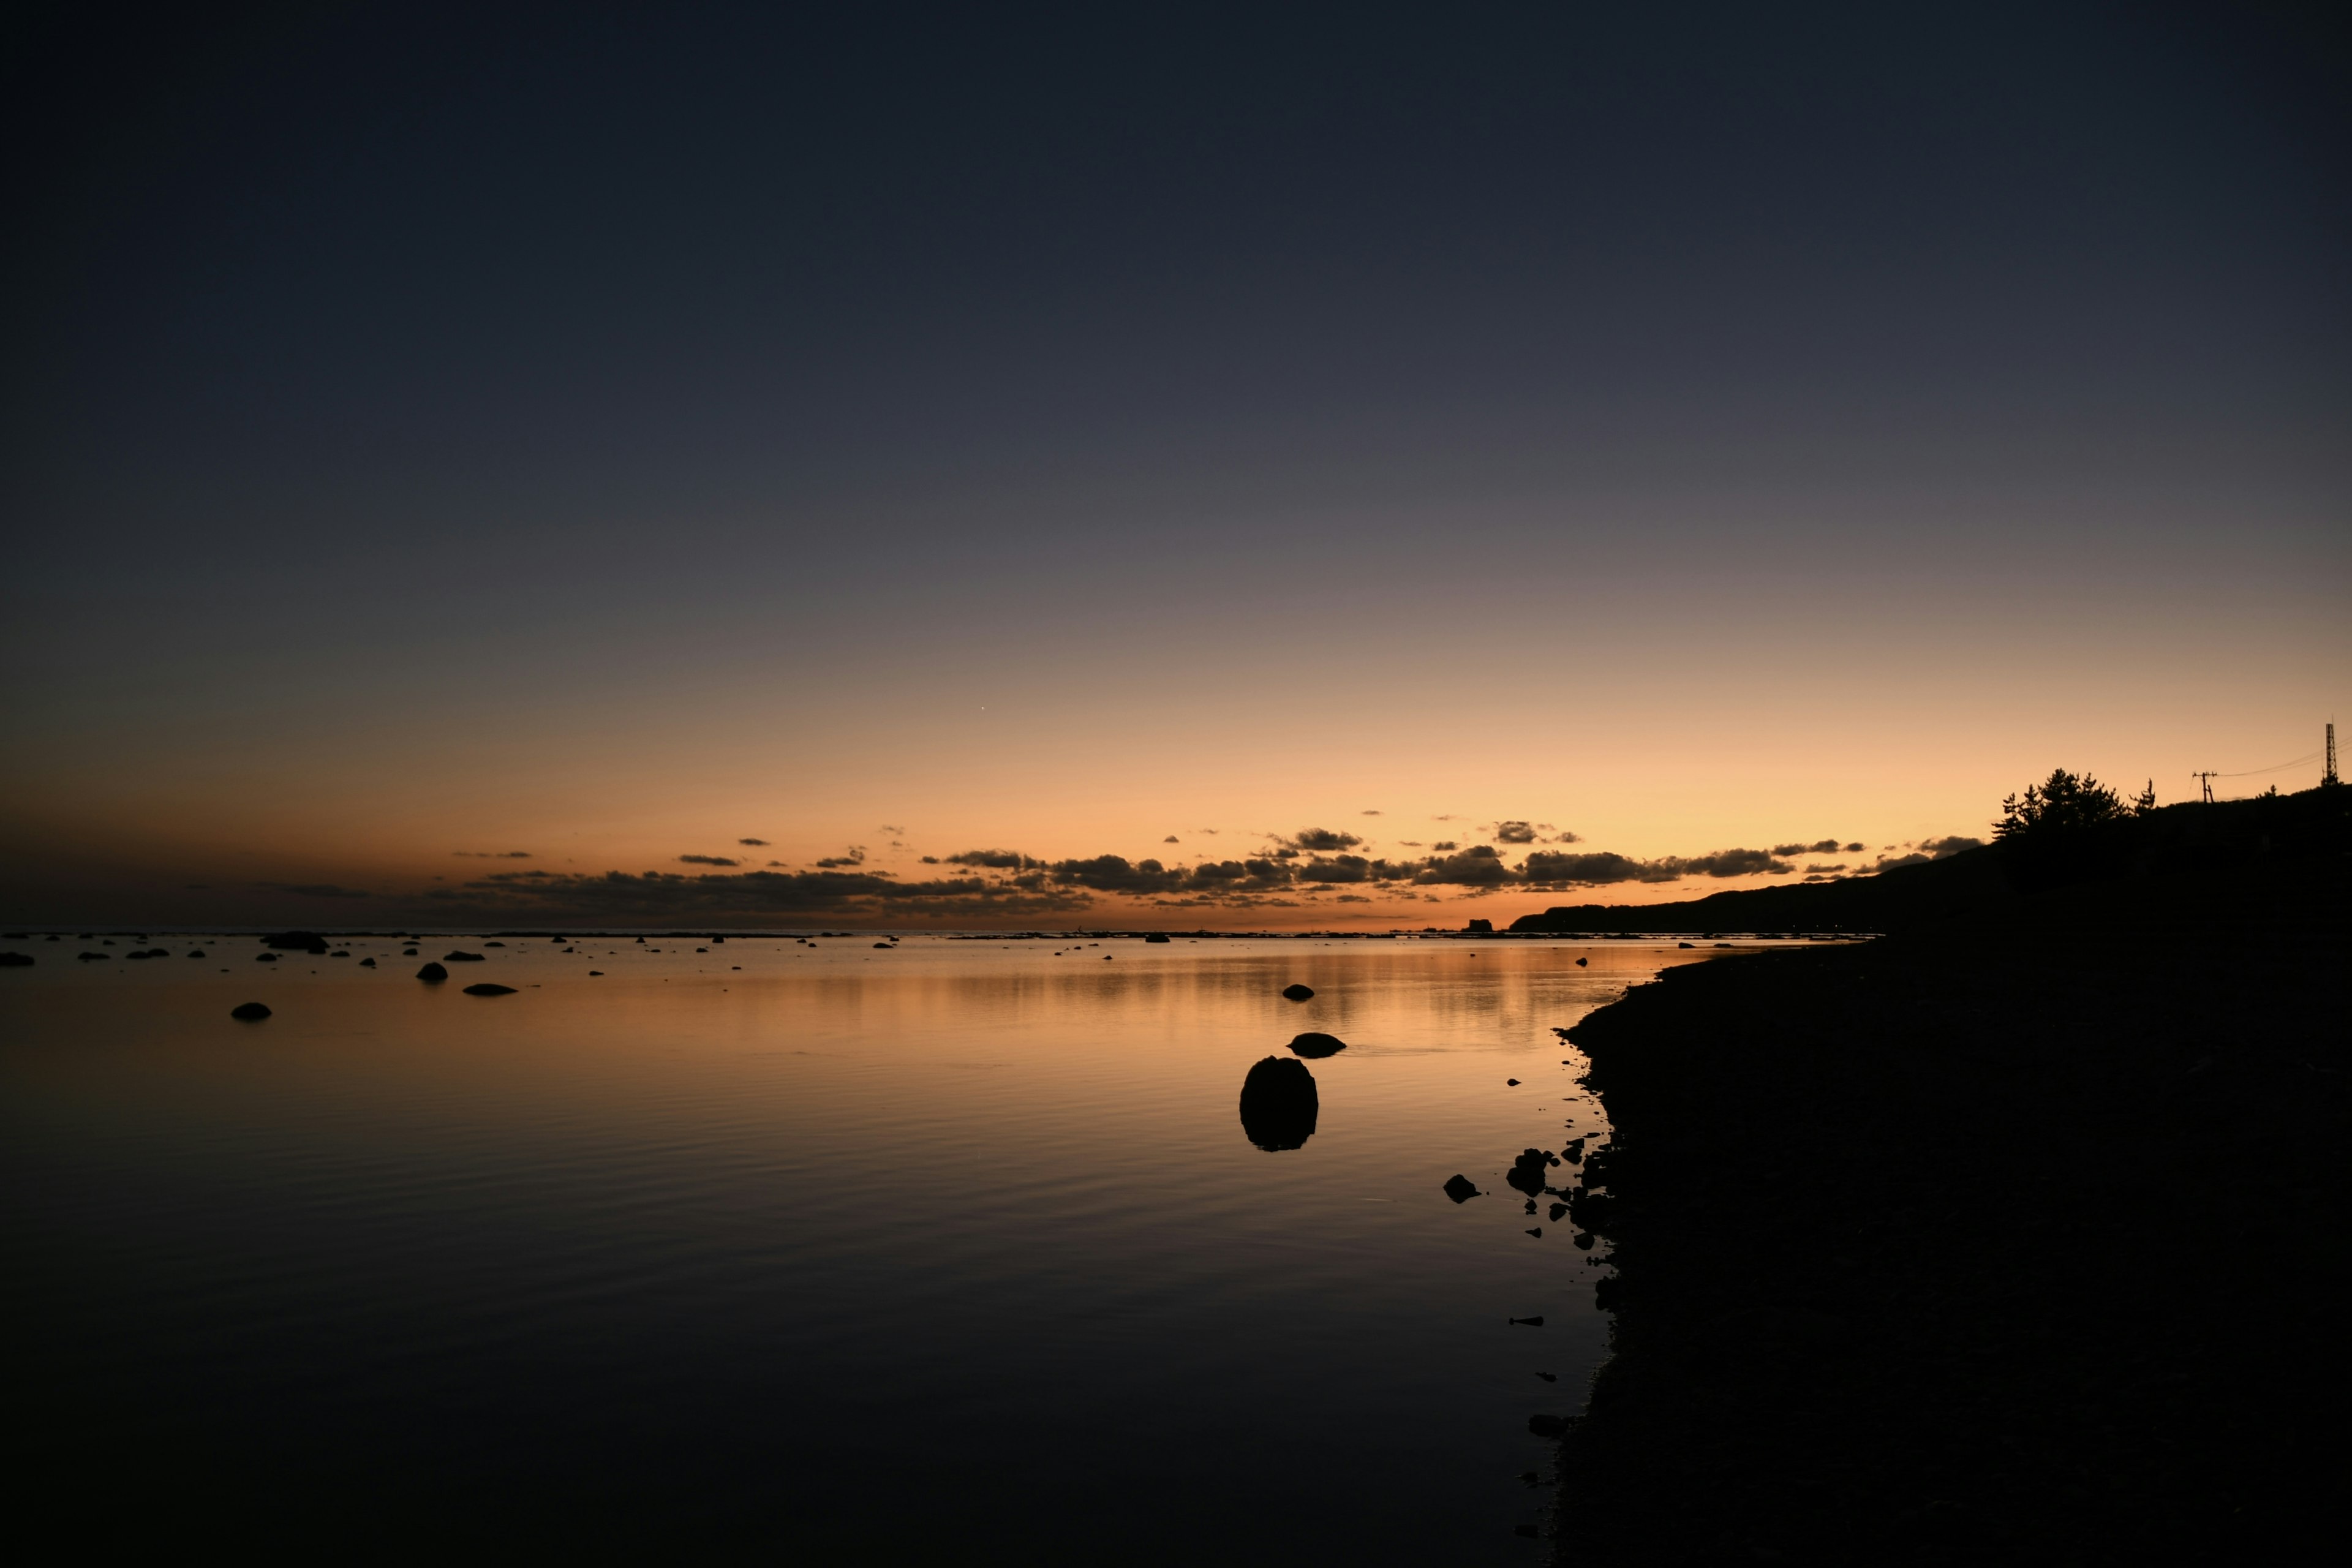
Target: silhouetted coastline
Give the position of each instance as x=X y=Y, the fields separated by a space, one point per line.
x=2019 y=1235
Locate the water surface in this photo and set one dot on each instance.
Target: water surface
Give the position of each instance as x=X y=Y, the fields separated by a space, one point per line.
x=956 y=1251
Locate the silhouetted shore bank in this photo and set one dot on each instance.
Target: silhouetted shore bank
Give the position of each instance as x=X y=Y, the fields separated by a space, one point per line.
x=1998 y=1239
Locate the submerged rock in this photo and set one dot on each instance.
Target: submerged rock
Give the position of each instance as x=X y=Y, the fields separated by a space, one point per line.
x=462 y=958
x=1297 y=992
x=1315 y=1046
x=433 y=972
x=367 y=964
x=490 y=988
x=296 y=940
x=1528 y=1171
x=248 y=1011
x=1280 y=1104
x=1460 y=1188
x=16 y=960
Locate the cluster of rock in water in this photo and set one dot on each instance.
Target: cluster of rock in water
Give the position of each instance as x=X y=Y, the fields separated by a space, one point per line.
x=1279 y=1100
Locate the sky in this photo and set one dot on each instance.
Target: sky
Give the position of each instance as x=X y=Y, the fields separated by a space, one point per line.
x=467 y=465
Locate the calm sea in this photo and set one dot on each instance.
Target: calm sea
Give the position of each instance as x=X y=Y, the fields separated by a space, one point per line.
x=956 y=1252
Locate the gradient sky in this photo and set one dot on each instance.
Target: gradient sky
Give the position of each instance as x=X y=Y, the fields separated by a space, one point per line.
x=608 y=437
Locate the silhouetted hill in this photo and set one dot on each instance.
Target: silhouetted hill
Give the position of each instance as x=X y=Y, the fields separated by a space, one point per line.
x=2020 y=1241
x=1985 y=884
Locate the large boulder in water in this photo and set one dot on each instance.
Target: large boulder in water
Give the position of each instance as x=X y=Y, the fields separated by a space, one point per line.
x=1280 y=1104
x=296 y=940
x=1315 y=1046
x=433 y=972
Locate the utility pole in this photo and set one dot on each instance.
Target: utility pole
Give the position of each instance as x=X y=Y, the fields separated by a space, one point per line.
x=2205 y=779
x=2328 y=779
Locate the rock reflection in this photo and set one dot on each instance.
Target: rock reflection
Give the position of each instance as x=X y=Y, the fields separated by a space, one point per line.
x=1280 y=1104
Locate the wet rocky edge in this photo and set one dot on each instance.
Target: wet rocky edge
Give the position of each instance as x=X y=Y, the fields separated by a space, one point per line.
x=2021 y=1243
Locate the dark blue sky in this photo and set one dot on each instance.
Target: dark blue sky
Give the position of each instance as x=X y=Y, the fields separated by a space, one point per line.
x=359 y=349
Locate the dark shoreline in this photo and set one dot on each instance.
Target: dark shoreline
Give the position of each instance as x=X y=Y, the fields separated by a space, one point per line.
x=2016 y=1237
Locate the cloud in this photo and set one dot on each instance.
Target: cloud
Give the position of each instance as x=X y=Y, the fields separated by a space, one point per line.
x=894 y=832
x=752 y=843
x=1368 y=813
x=1171 y=838
x=1900 y=860
x=707 y=860
x=1513 y=832
x=1824 y=870
x=1445 y=843
x=1598 y=869
x=1338 y=869
x=1480 y=866
x=1852 y=849
x=491 y=854
x=1410 y=843
x=1737 y=863
x=315 y=890
x=668 y=895
x=1113 y=874
x=1002 y=859
x=1940 y=848
x=1321 y=838
x=853 y=856
x=1826 y=846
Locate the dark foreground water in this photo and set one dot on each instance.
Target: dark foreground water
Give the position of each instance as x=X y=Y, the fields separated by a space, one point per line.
x=952 y=1252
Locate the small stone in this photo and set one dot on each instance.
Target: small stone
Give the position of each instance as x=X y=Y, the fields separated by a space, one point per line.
x=367 y=964
x=433 y=972
x=1460 y=1188
x=16 y=960
x=1315 y=1046
x=1297 y=992
x=487 y=988
x=248 y=1011
x=462 y=958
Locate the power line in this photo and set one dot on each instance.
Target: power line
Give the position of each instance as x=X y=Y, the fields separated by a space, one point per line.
x=2280 y=767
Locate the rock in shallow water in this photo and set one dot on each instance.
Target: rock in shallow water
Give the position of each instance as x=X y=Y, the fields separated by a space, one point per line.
x=487 y=988
x=1280 y=1104
x=1315 y=1046
x=432 y=972
x=1460 y=1188
x=1297 y=992
x=248 y=1011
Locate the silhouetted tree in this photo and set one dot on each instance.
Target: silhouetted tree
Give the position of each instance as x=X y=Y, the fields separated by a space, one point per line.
x=2063 y=803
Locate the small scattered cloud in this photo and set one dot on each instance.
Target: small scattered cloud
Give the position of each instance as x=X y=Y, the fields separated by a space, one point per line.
x=853 y=856
x=1480 y=866
x=1824 y=870
x=1444 y=844
x=1368 y=813
x=1171 y=838
x=1322 y=839
x=1940 y=848
x=892 y=832
x=1001 y=859
x=1514 y=832
x=1826 y=846
x=930 y=859
x=491 y=854
x=707 y=860
x=752 y=843
x=1854 y=848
